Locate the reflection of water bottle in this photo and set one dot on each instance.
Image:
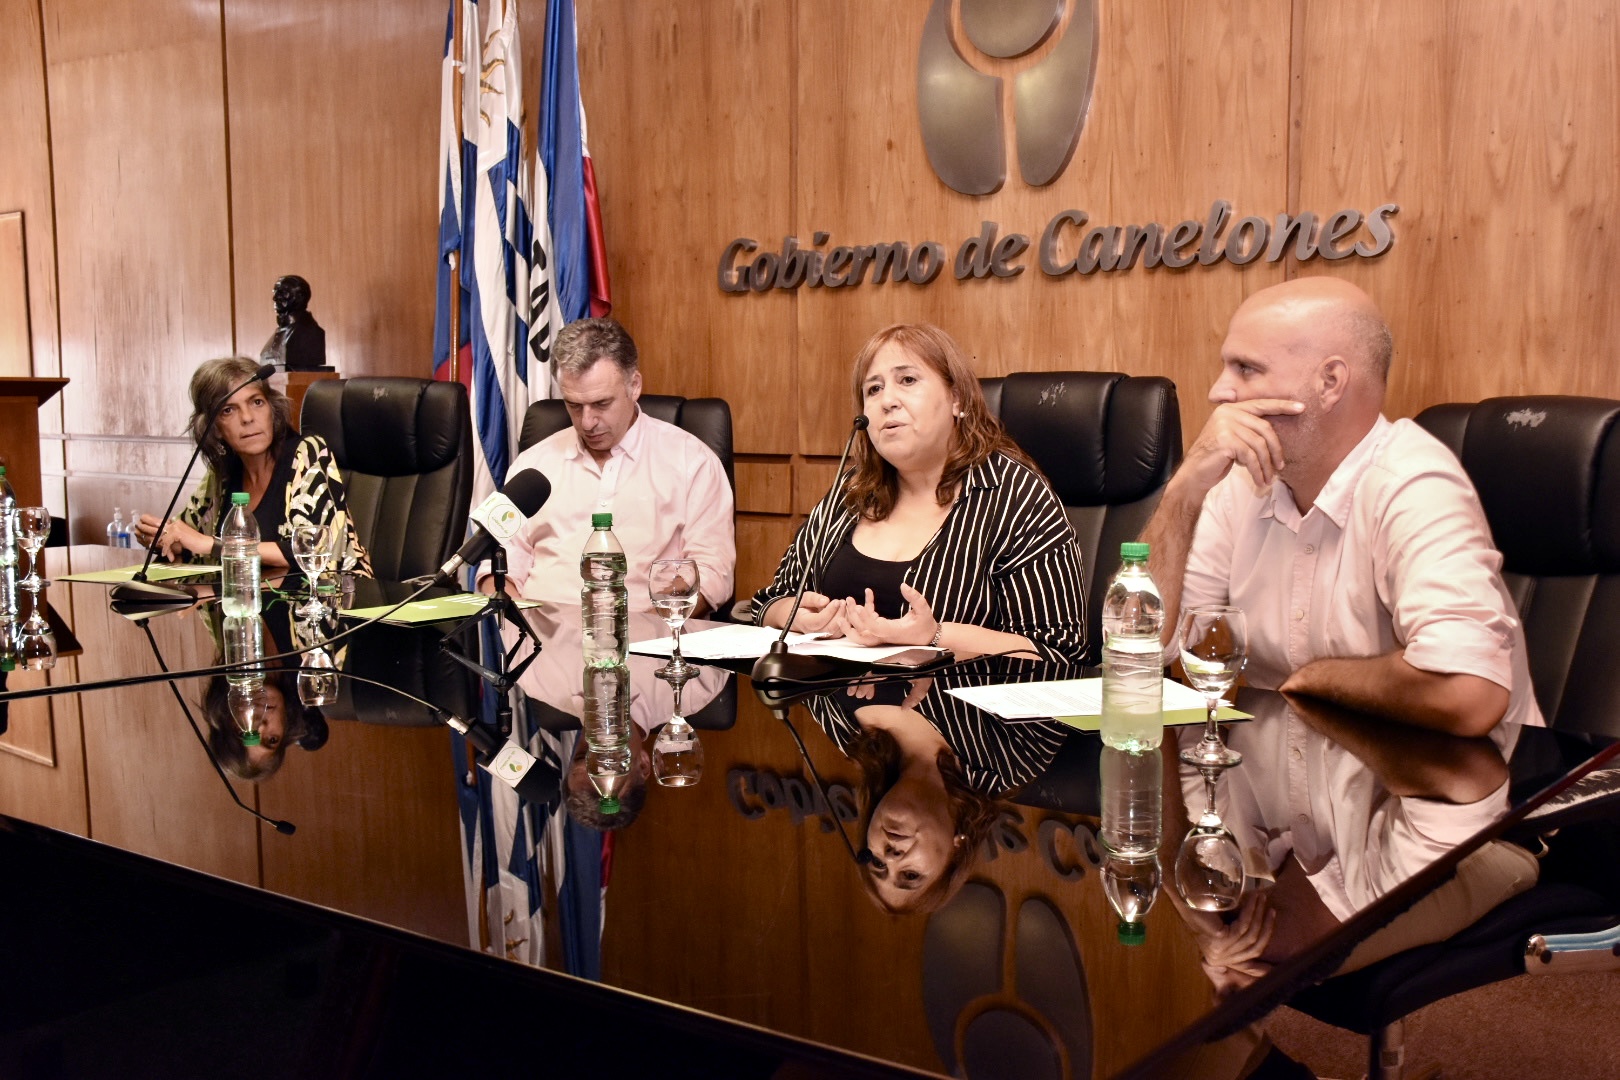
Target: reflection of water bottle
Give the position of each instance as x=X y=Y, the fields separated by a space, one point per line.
x=1133 y=665
x=606 y=724
x=239 y=560
x=1131 y=886
x=244 y=640
x=1132 y=801
x=10 y=539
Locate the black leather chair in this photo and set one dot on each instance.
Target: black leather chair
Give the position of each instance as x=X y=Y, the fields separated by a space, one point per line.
x=1108 y=443
x=707 y=418
x=405 y=448
x=1548 y=474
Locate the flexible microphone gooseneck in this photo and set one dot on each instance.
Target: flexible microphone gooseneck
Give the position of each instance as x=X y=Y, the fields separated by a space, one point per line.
x=140 y=589
x=285 y=828
x=779 y=666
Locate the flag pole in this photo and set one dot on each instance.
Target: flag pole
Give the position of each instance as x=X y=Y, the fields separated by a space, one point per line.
x=457 y=75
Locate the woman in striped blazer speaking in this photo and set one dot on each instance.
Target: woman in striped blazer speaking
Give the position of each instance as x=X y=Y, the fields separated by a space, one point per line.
x=941 y=532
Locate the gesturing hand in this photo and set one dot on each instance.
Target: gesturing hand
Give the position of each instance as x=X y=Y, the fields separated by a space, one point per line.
x=1238 y=433
x=820 y=615
x=916 y=627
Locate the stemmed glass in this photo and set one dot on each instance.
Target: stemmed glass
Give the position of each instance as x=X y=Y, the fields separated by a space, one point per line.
x=677 y=752
x=1209 y=866
x=311 y=548
x=1214 y=647
x=673 y=586
x=36 y=645
x=34 y=525
x=317 y=678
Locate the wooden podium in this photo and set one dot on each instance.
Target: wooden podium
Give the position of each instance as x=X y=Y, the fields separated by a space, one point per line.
x=20 y=400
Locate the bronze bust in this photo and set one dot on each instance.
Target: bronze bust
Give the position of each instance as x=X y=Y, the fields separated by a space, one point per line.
x=298 y=343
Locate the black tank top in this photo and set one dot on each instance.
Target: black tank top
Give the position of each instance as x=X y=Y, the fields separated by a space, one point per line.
x=850 y=574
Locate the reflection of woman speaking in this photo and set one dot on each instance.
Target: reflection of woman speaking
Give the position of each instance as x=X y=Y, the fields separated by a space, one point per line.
x=253 y=447
x=941 y=533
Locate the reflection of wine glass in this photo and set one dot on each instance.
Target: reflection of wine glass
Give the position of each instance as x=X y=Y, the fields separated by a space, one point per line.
x=33 y=526
x=311 y=548
x=677 y=752
x=673 y=586
x=1209 y=866
x=1214 y=646
x=317 y=679
x=36 y=645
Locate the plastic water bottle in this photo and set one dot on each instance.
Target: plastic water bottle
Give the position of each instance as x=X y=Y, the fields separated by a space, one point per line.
x=239 y=560
x=126 y=536
x=603 y=599
x=115 y=528
x=1133 y=655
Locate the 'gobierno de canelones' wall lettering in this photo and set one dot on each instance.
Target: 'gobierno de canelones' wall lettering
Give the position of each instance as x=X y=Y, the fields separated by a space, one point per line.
x=1069 y=244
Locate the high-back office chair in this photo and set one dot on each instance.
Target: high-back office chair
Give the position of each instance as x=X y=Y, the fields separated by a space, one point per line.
x=1108 y=443
x=707 y=418
x=1548 y=474
x=405 y=448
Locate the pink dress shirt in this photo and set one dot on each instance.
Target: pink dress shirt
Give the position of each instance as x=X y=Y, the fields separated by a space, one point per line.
x=1395 y=554
x=669 y=498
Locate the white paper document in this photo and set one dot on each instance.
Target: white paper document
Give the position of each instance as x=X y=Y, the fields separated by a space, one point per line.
x=733 y=641
x=1066 y=697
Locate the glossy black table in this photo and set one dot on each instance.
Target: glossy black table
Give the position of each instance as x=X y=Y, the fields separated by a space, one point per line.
x=737 y=898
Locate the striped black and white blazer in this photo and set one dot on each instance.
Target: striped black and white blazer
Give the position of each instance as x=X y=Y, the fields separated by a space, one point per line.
x=1005 y=558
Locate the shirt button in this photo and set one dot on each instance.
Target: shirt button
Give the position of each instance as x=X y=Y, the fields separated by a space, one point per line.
x=1310 y=549
x=1302 y=819
x=1299 y=755
x=1299 y=613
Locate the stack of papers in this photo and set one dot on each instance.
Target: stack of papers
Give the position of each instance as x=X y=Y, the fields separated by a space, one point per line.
x=437 y=609
x=1078 y=702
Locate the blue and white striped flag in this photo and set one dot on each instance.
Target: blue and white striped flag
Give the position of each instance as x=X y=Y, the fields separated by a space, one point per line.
x=458 y=156
x=502 y=235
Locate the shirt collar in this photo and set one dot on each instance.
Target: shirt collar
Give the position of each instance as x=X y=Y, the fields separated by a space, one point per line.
x=1336 y=495
x=630 y=446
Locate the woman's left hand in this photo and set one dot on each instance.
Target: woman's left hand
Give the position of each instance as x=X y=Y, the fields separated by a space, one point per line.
x=916 y=627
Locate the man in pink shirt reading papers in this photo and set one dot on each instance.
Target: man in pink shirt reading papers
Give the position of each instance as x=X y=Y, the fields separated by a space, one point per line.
x=1358 y=550
x=666 y=490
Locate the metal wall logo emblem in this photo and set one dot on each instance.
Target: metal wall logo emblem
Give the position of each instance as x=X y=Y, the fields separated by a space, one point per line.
x=959 y=107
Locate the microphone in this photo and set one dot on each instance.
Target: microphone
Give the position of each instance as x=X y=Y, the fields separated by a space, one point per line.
x=498 y=518
x=780 y=666
x=140 y=591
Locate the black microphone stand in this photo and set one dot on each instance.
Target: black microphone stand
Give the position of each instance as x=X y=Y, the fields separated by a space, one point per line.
x=779 y=677
x=505 y=674
x=139 y=594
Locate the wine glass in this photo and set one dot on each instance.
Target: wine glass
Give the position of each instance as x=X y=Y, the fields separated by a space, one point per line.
x=33 y=526
x=317 y=678
x=678 y=752
x=673 y=586
x=312 y=548
x=1214 y=647
x=1209 y=866
x=36 y=645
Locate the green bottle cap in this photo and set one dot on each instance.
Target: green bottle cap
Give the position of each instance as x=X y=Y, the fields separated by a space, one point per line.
x=239 y=498
x=1134 y=551
x=2 y=470
x=1132 y=933
x=608 y=805
x=601 y=521
x=250 y=738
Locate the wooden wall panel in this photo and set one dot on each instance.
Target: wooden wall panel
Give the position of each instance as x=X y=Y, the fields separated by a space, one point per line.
x=691 y=119
x=25 y=170
x=334 y=132
x=42 y=756
x=1493 y=127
